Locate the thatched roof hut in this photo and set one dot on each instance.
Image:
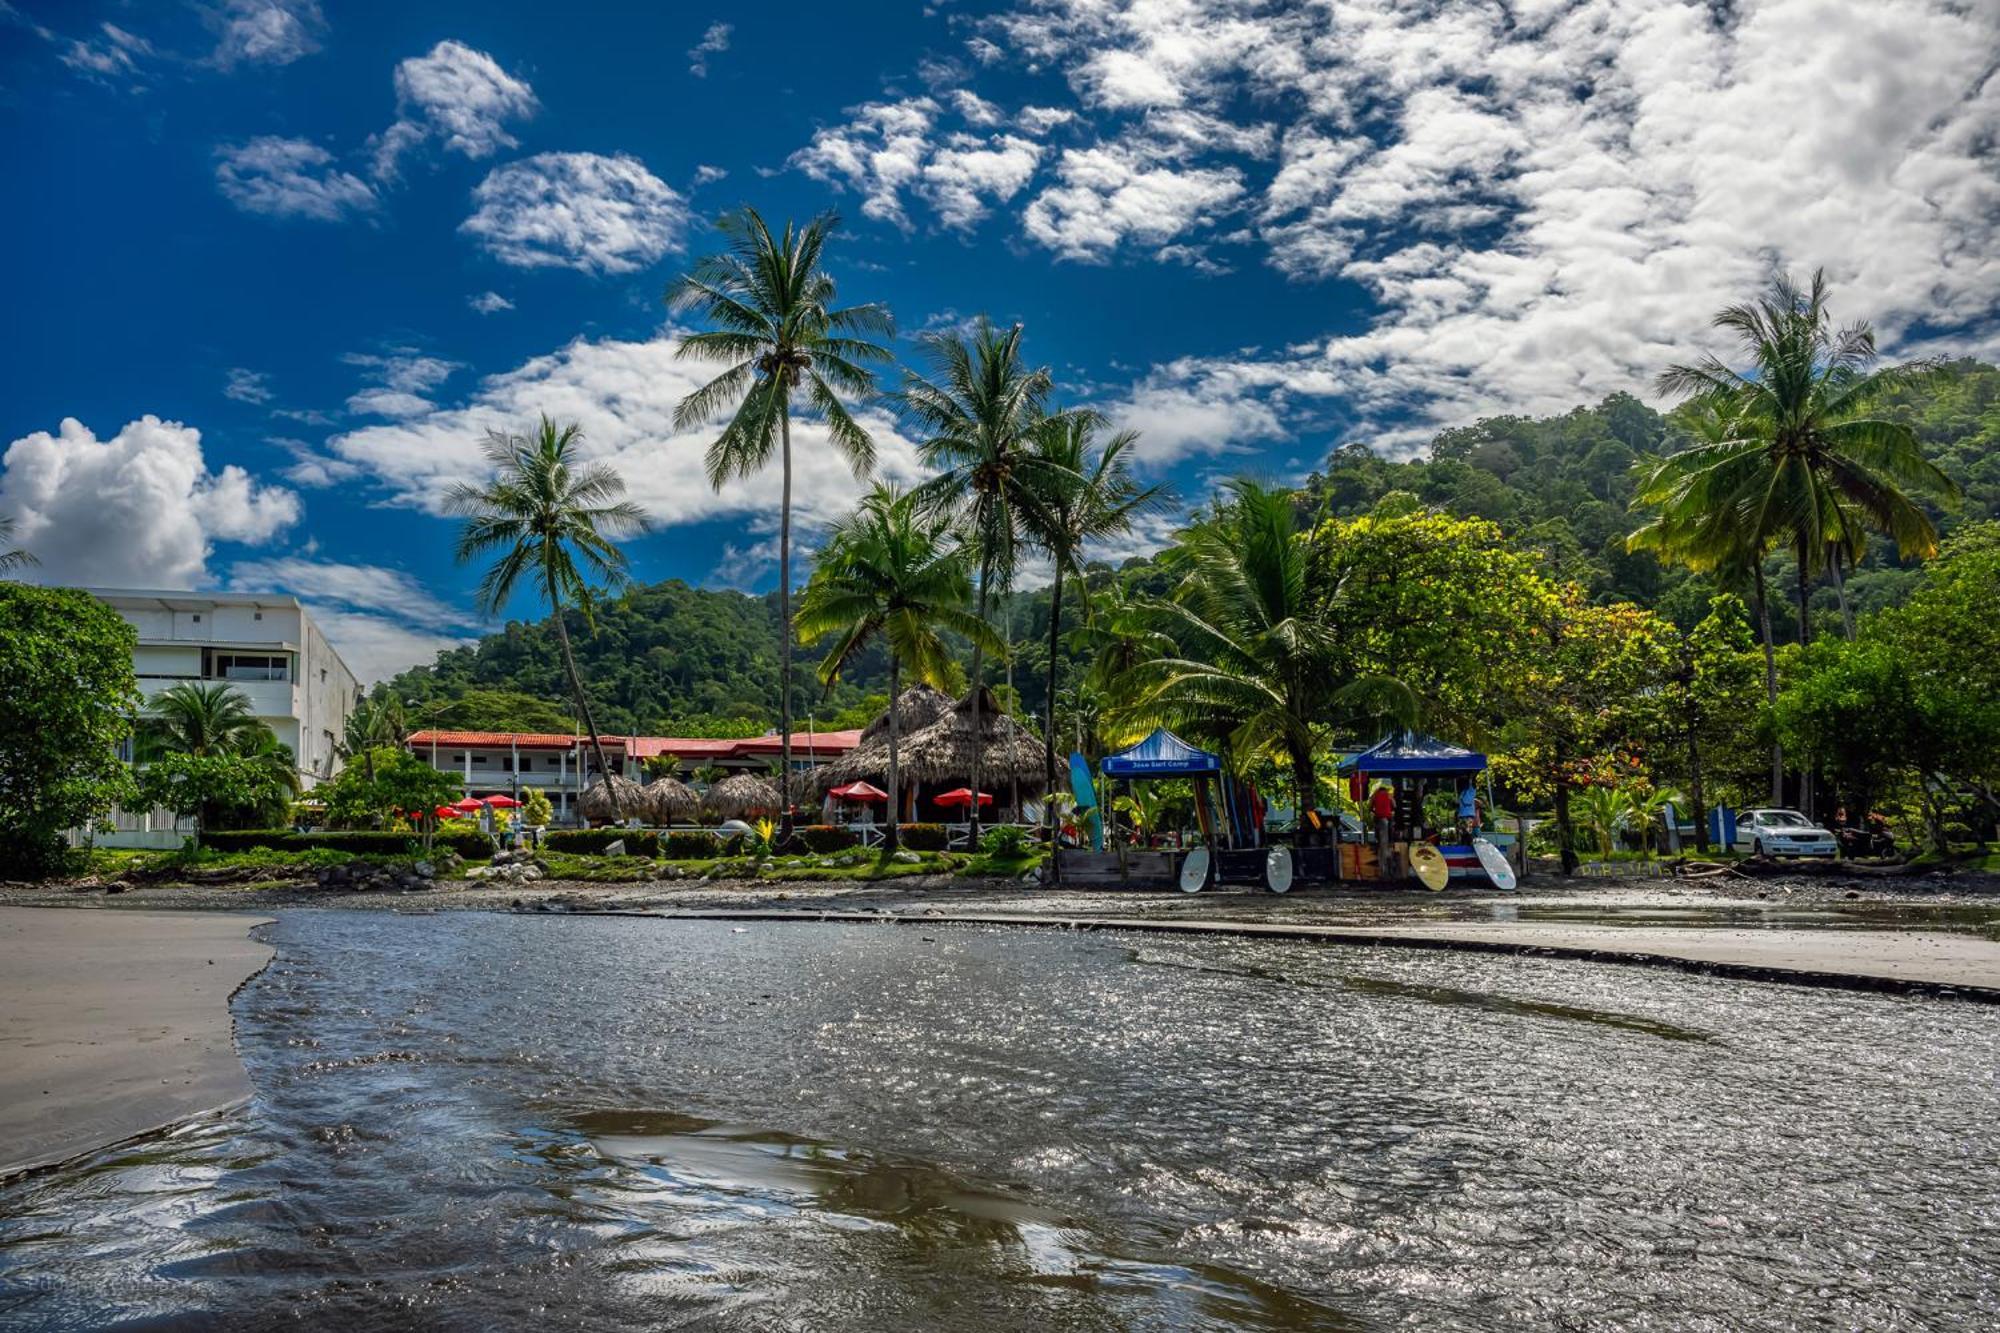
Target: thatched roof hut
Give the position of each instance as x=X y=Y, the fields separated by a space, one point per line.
x=595 y=803
x=916 y=708
x=671 y=801
x=939 y=754
x=744 y=794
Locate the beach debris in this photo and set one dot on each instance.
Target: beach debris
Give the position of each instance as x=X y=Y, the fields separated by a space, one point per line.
x=615 y=847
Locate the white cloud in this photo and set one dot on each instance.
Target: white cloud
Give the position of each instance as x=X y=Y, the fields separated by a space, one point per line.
x=966 y=172
x=577 y=210
x=311 y=468
x=247 y=386
x=379 y=402
x=141 y=509
x=975 y=109
x=489 y=303
x=1108 y=197
x=1194 y=407
x=381 y=621
x=713 y=42
x=623 y=395
x=456 y=94
x=1042 y=119
x=113 y=54
x=878 y=153
x=289 y=178
x=708 y=175
x=402 y=376
x=266 y=32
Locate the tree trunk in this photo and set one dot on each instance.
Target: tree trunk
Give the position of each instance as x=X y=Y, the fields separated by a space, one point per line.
x=891 y=841
x=1840 y=591
x=1565 y=831
x=785 y=624
x=1805 y=640
x=1049 y=715
x=583 y=706
x=1303 y=780
x=1700 y=810
x=1770 y=685
x=978 y=749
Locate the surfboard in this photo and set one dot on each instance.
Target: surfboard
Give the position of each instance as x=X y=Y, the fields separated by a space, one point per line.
x=1194 y=871
x=1278 y=870
x=1494 y=862
x=1081 y=784
x=1429 y=864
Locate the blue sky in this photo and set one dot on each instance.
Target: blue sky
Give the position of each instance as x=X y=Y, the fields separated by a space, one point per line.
x=276 y=264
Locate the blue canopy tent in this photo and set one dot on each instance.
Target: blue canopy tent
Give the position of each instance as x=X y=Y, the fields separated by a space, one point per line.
x=1410 y=761
x=1162 y=755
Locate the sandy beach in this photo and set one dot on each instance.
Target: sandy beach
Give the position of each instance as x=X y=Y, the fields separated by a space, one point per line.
x=115 y=1023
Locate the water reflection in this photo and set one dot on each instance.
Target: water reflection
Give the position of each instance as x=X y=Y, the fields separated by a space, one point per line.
x=497 y=1122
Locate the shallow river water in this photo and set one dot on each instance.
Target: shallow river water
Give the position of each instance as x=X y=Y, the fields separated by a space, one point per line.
x=477 y=1121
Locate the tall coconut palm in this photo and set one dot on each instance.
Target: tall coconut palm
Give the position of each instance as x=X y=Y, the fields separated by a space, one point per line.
x=1091 y=495
x=888 y=572
x=373 y=724
x=1256 y=662
x=548 y=516
x=780 y=333
x=12 y=557
x=978 y=416
x=1804 y=465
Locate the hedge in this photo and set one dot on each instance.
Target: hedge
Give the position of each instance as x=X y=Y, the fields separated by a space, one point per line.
x=689 y=845
x=468 y=843
x=824 y=838
x=593 y=841
x=923 y=837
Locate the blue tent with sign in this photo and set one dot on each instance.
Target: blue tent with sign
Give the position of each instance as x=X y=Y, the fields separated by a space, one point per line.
x=1162 y=755
x=1413 y=754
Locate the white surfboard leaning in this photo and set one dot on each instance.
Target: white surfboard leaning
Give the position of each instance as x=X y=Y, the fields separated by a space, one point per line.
x=1278 y=870
x=1494 y=862
x=1194 y=871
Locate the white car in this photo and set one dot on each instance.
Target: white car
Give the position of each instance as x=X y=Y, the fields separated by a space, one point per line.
x=1782 y=833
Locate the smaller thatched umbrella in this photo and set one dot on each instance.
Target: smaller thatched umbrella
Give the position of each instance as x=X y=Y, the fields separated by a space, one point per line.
x=595 y=803
x=671 y=801
x=744 y=794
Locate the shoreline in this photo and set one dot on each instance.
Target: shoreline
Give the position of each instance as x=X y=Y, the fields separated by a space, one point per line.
x=116 y=1025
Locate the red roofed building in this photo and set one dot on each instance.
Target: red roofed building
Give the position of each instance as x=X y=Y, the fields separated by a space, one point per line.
x=489 y=763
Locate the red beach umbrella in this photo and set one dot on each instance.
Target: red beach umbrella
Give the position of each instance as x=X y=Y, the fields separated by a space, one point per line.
x=859 y=791
x=468 y=806
x=503 y=803
x=444 y=812
x=962 y=796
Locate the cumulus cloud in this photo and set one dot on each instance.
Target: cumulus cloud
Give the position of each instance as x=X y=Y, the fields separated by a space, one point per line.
x=713 y=43
x=1546 y=202
x=381 y=621
x=966 y=172
x=400 y=378
x=141 y=509
x=886 y=149
x=266 y=32
x=1108 y=197
x=577 y=210
x=623 y=395
x=458 y=95
x=289 y=178
x=489 y=303
x=1042 y=119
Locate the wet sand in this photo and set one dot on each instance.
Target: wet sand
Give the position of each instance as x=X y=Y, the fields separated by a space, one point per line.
x=115 y=1023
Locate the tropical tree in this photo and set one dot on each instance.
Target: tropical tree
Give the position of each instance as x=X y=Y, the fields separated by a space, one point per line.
x=1646 y=807
x=779 y=333
x=1254 y=663
x=979 y=415
x=374 y=723
x=889 y=573
x=548 y=516
x=1604 y=811
x=1091 y=495
x=205 y=753
x=12 y=557
x=1804 y=464
x=201 y=720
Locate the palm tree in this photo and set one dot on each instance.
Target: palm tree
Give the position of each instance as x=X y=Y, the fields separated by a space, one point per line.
x=1646 y=807
x=1604 y=811
x=199 y=720
x=1092 y=496
x=1803 y=465
x=888 y=573
x=778 y=332
x=373 y=724
x=545 y=511
x=979 y=416
x=1256 y=661
x=12 y=557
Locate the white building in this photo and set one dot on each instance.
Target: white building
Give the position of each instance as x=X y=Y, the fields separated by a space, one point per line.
x=265 y=645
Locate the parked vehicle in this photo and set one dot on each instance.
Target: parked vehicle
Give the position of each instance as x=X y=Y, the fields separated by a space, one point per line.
x=1782 y=833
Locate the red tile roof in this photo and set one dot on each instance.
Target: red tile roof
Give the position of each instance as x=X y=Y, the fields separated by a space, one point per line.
x=647 y=747
x=526 y=740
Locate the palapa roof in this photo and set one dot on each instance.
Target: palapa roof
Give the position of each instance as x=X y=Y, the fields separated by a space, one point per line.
x=942 y=752
x=744 y=794
x=916 y=708
x=671 y=801
x=595 y=803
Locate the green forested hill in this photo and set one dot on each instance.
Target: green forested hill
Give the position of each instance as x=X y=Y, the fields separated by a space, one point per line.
x=670 y=659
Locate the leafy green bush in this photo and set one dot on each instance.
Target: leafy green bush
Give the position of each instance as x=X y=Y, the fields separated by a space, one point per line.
x=1008 y=841
x=689 y=845
x=593 y=841
x=923 y=837
x=824 y=838
x=468 y=844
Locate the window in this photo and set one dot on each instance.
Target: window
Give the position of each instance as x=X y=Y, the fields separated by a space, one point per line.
x=322 y=670
x=197 y=617
x=245 y=666
x=259 y=615
x=527 y=763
